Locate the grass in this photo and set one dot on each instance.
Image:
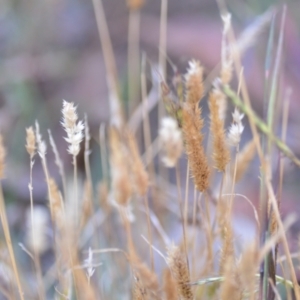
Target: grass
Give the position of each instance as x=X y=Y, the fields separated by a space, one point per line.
x=116 y=239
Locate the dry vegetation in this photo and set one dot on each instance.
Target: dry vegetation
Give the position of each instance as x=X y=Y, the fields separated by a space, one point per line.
x=108 y=238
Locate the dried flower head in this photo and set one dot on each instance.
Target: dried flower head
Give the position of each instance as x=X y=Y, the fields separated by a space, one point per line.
x=179 y=269
x=30 y=141
x=194 y=83
x=171 y=141
x=192 y=124
x=139 y=292
x=73 y=129
x=236 y=128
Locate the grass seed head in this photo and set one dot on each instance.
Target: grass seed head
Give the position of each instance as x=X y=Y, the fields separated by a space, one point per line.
x=30 y=141
x=170 y=141
x=236 y=129
x=193 y=137
x=73 y=129
x=180 y=272
x=194 y=83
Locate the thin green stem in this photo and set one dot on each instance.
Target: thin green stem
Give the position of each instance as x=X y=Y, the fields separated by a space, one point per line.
x=262 y=126
x=220 y=279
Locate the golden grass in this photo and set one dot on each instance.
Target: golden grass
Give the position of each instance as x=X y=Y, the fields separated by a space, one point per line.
x=99 y=247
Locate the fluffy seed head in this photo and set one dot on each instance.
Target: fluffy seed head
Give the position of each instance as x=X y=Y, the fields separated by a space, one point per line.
x=192 y=125
x=139 y=292
x=194 y=83
x=236 y=128
x=30 y=141
x=170 y=141
x=179 y=269
x=73 y=129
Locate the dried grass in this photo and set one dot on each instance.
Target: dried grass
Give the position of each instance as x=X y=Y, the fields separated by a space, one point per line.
x=118 y=217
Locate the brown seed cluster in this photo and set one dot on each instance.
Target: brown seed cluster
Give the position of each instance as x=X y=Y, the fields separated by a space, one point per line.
x=192 y=125
x=180 y=272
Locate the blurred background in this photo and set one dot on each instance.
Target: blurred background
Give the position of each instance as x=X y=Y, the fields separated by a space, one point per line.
x=50 y=50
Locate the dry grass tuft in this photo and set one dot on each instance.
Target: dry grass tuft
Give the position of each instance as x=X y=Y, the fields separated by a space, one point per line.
x=116 y=220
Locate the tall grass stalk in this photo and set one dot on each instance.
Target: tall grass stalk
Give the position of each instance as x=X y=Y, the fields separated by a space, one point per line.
x=7 y=236
x=30 y=139
x=147 y=143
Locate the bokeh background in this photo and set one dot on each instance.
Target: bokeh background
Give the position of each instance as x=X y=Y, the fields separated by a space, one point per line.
x=50 y=50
